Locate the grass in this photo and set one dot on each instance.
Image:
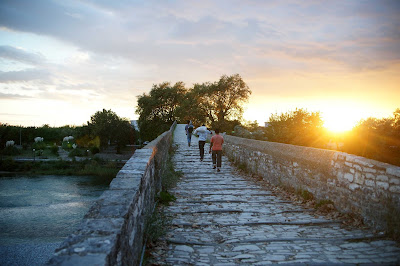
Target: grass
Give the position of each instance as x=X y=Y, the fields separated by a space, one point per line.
x=158 y=221
x=170 y=177
x=165 y=198
x=305 y=194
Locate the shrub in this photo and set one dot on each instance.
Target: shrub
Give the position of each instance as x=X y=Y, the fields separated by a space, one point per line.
x=54 y=150
x=165 y=197
x=8 y=165
x=11 y=150
x=39 y=145
x=94 y=150
x=305 y=194
x=75 y=152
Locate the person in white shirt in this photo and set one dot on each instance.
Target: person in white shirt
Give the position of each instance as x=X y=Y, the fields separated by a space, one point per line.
x=202 y=132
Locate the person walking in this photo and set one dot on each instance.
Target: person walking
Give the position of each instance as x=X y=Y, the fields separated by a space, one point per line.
x=202 y=132
x=216 y=147
x=189 y=130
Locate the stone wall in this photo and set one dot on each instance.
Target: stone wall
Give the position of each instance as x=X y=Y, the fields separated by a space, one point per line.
x=111 y=233
x=354 y=184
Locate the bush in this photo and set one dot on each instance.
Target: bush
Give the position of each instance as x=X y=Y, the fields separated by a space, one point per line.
x=94 y=150
x=11 y=150
x=75 y=152
x=8 y=165
x=54 y=150
x=39 y=145
x=165 y=197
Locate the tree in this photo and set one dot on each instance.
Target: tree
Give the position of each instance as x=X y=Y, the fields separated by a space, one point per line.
x=158 y=109
x=218 y=104
x=110 y=128
x=298 y=127
x=378 y=139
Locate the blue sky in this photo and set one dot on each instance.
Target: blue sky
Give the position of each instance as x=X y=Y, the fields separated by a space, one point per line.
x=61 y=61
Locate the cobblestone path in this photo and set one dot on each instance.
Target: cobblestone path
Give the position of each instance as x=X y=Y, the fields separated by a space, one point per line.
x=220 y=218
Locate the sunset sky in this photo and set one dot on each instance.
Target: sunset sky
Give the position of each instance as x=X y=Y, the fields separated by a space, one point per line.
x=61 y=61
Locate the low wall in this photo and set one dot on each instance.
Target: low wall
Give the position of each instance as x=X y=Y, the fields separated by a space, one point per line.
x=111 y=233
x=354 y=184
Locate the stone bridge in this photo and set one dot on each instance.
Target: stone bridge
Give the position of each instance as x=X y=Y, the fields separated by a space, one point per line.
x=225 y=218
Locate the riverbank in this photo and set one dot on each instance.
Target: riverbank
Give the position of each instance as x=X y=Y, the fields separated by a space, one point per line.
x=106 y=170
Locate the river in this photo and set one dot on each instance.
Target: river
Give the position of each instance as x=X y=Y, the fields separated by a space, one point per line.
x=37 y=213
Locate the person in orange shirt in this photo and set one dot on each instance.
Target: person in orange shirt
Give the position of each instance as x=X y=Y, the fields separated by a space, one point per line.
x=216 y=147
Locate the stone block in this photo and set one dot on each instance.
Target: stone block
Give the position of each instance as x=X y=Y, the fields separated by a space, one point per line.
x=369 y=183
x=350 y=158
x=340 y=175
x=340 y=156
x=113 y=211
x=111 y=197
x=363 y=162
x=358 y=178
x=354 y=187
x=129 y=174
x=393 y=170
x=125 y=183
x=348 y=164
x=383 y=185
x=382 y=178
x=369 y=176
x=394 y=181
x=101 y=227
x=369 y=170
x=349 y=177
x=395 y=189
x=76 y=260
x=136 y=166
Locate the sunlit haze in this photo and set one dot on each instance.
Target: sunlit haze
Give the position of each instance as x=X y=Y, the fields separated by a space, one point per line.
x=61 y=61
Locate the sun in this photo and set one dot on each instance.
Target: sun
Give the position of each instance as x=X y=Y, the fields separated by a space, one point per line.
x=340 y=121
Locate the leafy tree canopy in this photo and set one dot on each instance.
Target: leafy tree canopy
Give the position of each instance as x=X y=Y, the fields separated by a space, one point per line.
x=217 y=104
x=110 y=128
x=298 y=127
x=157 y=110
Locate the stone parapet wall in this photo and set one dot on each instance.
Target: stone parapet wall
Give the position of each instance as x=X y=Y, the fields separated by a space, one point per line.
x=111 y=233
x=354 y=184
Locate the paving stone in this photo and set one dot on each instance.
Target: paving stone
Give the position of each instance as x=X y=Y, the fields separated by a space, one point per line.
x=221 y=218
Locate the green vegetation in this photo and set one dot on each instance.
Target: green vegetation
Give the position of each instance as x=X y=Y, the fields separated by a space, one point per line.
x=305 y=194
x=242 y=166
x=373 y=138
x=217 y=104
x=322 y=203
x=104 y=128
x=111 y=129
x=170 y=177
x=103 y=169
x=378 y=139
x=298 y=127
x=158 y=221
x=165 y=197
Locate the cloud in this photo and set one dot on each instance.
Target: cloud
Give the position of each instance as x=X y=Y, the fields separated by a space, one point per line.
x=118 y=49
x=12 y=96
x=160 y=33
x=24 y=75
x=20 y=55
